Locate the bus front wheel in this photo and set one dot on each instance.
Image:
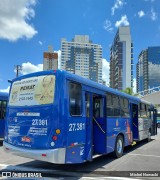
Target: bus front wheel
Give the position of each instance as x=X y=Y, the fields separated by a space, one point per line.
x=119 y=147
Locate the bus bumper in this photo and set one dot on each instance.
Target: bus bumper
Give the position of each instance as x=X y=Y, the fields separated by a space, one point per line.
x=56 y=156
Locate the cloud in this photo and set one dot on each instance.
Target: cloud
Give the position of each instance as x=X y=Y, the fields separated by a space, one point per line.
x=40 y=43
x=153 y=15
x=14 y=19
x=5 y=90
x=122 y=21
x=108 y=26
x=141 y=14
x=30 y=68
x=105 y=71
x=134 y=85
x=118 y=4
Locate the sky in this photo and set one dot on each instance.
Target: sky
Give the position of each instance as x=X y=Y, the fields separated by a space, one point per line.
x=28 y=27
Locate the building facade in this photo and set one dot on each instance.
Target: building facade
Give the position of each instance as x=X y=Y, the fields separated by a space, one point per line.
x=50 y=59
x=148 y=69
x=121 y=60
x=82 y=57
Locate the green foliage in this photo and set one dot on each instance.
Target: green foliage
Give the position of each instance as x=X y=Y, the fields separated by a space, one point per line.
x=129 y=91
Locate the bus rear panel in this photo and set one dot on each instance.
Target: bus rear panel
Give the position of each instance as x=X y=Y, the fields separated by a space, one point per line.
x=33 y=126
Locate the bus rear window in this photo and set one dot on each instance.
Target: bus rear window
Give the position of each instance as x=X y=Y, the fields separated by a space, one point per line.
x=33 y=91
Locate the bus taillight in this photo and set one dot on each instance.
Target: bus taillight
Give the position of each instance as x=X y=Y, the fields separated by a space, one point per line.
x=44 y=155
x=54 y=138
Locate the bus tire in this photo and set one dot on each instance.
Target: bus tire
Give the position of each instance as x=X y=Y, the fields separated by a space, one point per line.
x=119 y=147
x=149 y=136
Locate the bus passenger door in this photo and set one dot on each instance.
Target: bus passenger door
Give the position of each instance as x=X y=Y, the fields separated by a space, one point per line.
x=88 y=114
x=95 y=125
x=99 y=124
x=153 y=122
x=134 y=111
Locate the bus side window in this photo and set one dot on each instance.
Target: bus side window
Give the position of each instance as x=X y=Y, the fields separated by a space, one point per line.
x=143 y=110
x=109 y=108
x=113 y=107
x=4 y=105
x=116 y=105
x=87 y=99
x=98 y=107
x=148 y=111
x=124 y=107
x=75 y=99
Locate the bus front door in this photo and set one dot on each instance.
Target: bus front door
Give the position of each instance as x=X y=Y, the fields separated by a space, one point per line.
x=88 y=111
x=95 y=125
x=153 y=122
x=134 y=110
x=99 y=124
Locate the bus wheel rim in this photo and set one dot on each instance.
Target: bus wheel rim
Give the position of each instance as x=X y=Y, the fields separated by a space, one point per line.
x=119 y=146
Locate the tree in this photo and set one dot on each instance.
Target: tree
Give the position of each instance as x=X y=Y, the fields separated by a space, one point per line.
x=129 y=91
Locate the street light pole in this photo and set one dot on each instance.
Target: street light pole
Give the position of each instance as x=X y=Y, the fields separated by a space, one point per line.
x=18 y=68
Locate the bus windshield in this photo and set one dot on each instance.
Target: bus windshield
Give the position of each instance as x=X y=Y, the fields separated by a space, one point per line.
x=33 y=91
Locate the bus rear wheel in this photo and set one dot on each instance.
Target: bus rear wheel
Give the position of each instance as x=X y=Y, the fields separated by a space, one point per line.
x=119 y=147
x=149 y=136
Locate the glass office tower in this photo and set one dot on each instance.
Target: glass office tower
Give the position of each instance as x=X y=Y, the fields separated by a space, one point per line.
x=121 y=60
x=148 y=69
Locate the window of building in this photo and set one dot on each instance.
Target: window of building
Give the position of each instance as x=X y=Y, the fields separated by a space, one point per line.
x=75 y=99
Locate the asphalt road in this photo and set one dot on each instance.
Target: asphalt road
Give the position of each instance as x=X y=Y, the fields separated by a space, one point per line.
x=141 y=157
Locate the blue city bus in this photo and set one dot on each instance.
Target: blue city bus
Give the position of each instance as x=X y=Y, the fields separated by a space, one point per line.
x=3 y=107
x=62 y=118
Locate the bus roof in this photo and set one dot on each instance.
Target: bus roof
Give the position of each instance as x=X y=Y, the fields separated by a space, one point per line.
x=99 y=86
x=3 y=94
x=85 y=81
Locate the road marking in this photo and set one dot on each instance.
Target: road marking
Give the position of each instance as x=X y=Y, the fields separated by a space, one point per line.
x=144 y=155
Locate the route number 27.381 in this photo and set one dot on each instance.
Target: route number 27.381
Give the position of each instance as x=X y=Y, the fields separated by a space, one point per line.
x=76 y=126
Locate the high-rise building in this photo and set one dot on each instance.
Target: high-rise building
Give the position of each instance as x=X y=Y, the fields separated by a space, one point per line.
x=50 y=59
x=148 y=69
x=121 y=60
x=82 y=57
